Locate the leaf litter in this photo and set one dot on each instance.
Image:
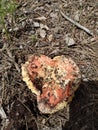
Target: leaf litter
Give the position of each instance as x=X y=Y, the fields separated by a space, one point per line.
x=18 y=102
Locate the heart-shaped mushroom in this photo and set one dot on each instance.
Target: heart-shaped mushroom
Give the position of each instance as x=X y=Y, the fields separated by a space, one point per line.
x=54 y=81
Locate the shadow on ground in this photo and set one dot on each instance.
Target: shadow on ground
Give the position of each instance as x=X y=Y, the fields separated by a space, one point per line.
x=83 y=108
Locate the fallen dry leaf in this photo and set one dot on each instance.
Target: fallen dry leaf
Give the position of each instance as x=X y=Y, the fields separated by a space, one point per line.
x=36 y=24
x=50 y=37
x=69 y=41
x=42 y=26
x=42 y=33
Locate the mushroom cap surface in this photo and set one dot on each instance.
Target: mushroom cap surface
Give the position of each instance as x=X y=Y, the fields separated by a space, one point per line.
x=54 y=81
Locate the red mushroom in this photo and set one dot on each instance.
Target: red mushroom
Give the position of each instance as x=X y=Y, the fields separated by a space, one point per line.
x=54 y=81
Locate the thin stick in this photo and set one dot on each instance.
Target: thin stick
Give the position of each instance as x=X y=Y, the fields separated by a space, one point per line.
x=24 y=106
x=12 y=59
x=77 y=24
x=26 y=123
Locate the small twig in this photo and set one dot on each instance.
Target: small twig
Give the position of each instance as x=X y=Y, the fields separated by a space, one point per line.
x=12 y=59
x=87 y=105
x=2 y=113
x=26 y=123
x=5 y=120
x=25 y=106
x=3 y=48
x=76 y=24
x=3 y=87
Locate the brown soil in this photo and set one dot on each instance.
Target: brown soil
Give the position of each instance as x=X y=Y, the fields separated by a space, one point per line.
x=48 y=36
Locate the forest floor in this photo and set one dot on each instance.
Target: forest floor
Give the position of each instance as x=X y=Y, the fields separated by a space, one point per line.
x=39 y=27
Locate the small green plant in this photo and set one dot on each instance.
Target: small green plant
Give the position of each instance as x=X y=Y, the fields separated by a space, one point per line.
x=34 y=38
x=7 y=7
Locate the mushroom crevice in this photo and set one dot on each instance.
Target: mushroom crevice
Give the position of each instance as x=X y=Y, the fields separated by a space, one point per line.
x=54 y=81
